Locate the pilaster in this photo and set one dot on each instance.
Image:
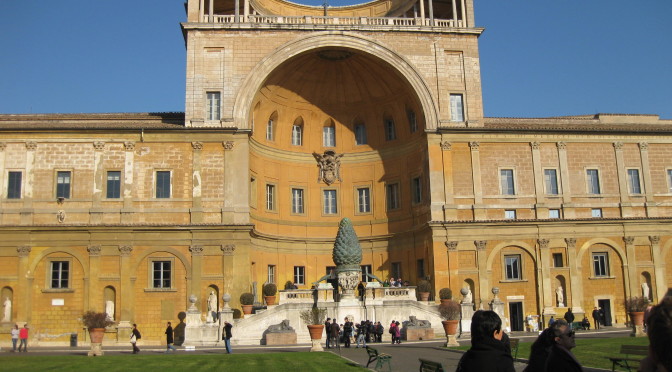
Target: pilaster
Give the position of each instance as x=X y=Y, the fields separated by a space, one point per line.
x=626 y=209
x=129 y=164
x=659 y=268
x=95 y=298
x=3 y=172
x=575 y=277
x=540 y=209
x=449 y=210
x=196 y=204
x=98 y=181
x=23 y=285
x=483 y=273
x=568 y=209
x=236 y=185
x=545 y=290
x=196 y=272
x=127 y=300
x=651 y=209
x=630 y=268
x=27 y=212
x=228 y=251
x=479 y=210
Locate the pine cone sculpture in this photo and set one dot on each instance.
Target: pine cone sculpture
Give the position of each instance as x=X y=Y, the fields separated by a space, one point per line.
x=347 y=253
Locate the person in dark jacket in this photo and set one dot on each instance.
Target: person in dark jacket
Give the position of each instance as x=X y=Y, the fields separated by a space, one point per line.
x=135 y=336
x=488 y=352
x=569 y=317
x=561 y=359
x=347 y=332
x=541 y=348
x=327 y=330
x=596 y=318
x=379 y=332
x=335 y=330
x=169 y=338
x=227 y=336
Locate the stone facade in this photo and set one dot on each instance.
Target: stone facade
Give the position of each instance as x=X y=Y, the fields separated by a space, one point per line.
x=228 y=194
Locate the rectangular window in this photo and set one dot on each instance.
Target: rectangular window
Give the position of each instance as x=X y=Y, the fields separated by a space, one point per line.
x=396 y=270
x=510 y=214
x=329 y=136
x=297 y=135
x=601 y=264
x=269 y=130
x=551 y=181
x=297 y=201
x=634 y=186
x=162 y=184
x=390 y=133
x=506 y=181
x=360 y=134
x=60 y=274
x=593 y=180
x=161 y=274
x=669 y=180
x=421 y=268
x=392 y=196
x=416 y=186
x=412 y=121
x=557 y=260
x=63 y=184
x=364 y=200
x=271 y=274
x=330 y=205
x=553 y=213
x=456 y=108
x=14 y=185
x=300 y=275
x=366 y=269
x=113 y=185
x=270 y=197
x=512 y=267
x=596 y=212
x=213 y=105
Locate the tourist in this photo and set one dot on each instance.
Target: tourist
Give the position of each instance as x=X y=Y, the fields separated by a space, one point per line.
x=541 y=348
x=399 y=283
x=227 y=336
x=596 y=318
x=585 y=324
x=169 y=338
x=327 y=331
x=135 y=337
x=569 y=317
x=347 y=332
x=487 y=352
x=393 y=325
x=15 y=337
x=335 y=330
x=379 y=332
x=660 y=338
x=551 y=321
x=361 y=334
x=560 y=358
x=397 y=332
x=23 y=335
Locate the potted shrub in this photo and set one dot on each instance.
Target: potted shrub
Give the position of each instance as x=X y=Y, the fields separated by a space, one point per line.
x=450 y=312
x=314 y=319
x=635 y=306
x=96 y=323
x=445 y=295
x=424 y=287
x=246 y=301
x=270 y=290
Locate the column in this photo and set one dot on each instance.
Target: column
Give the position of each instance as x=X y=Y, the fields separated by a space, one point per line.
x=575 y=276
x=568 y=208
x=227 y=267
x=449 y=210
x=545 y=290
x=210 y=10
x=196 y=273
x=246 y=10
x=127 y=189
x=659 y=268
x=437 y=177
x=630 y=268
x=236 y=182
x=236 y=12
x=24 y=285
x=453 y=264
x=201 y=9
x=3 y=172
x=422 y=11
x=455 y=17
x=626 y=209
x=27 y=213
x=483 y=272
x=126 y=293
x=479 y=210
x=464 y=13
x=196 y=204
x=540 y=207
x=95 y=297
x=431 y=13
x=96 y=216
x=651 y=210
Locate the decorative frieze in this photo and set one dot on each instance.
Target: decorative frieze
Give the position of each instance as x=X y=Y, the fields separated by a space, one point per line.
x=31 y=145
x=480 y=244
x=196 y=250
x=451 y=245
x=99 y=145
x=23 y=251
x=197 y=145
x=129 y=146
x=446 y=146
x=228 y=249
x=125 y=250
x=94 y=250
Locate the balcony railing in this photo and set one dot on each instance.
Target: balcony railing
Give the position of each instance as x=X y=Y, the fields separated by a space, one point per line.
x=335 y=21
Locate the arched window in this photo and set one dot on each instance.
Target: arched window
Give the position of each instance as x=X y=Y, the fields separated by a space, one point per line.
x=412 y=120
x=360 y=134
x=297 y=132
x=270 y=127
x=390 y=132
x=329 y=134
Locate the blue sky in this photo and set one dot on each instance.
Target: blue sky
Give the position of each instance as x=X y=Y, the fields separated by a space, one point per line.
x=538 y=57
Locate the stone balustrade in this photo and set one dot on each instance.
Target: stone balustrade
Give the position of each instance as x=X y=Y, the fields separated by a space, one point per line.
x=296 y=296
x=307 y=296
x=333 y=21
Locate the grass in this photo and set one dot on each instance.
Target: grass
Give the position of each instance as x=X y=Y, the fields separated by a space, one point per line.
x=591 y=352
x=281 y=362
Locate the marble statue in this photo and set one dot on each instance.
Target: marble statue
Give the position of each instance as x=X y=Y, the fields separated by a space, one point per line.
x=212 y=302
x=467 y=299
x=561 y=296
x=283 y=327
x=109 y=309
x=645 y=290
x=417 y=323
x=7 y=315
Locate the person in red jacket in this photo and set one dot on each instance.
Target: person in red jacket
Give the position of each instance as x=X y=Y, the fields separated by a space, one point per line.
x=23 y=336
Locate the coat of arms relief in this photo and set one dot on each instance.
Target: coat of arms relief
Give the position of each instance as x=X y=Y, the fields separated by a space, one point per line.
x=330 y=164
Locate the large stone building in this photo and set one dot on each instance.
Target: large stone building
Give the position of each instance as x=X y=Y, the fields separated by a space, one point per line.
x=296 y=117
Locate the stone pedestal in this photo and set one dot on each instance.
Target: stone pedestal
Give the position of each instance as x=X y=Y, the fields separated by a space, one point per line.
x=638 y=331
x=348 y=281
x=286 y=338
x=96 y=349
x=451 y=340
x=467 y=314
x=317 y=345
x=124 y=330
x=415 y=334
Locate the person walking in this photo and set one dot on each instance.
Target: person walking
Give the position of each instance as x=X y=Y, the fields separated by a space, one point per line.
x=135 y=336
x=596 y=318
x=361 y=334
x=23 y=335
x=227 y=336
x=169 y=339
x=15 y=337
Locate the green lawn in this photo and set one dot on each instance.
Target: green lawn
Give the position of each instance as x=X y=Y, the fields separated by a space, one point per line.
x=290 y=362
x=590 y=352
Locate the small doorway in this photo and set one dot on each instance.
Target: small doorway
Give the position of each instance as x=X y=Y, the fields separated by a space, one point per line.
x=516 y=316
x=605 y=305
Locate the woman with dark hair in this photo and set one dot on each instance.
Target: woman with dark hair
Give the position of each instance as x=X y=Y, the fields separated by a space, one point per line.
x=488 y=352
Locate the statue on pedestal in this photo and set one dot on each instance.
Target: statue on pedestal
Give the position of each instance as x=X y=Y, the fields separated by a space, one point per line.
x=559 y=292
x=347 y=256
x=645 y=290
x=7 y=314
x=109 y=309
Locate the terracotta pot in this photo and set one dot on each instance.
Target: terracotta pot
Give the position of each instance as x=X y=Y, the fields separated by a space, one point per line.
x=315 y=331
x=637 y=317
x=96 y=334
x=450 y=326
x=247 y=309
x=270 y=300
x=424 y=296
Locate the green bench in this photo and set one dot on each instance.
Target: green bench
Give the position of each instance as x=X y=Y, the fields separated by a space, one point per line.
x=514 y=347
x=430 y=366
x=380 y=358
x=626 y=360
